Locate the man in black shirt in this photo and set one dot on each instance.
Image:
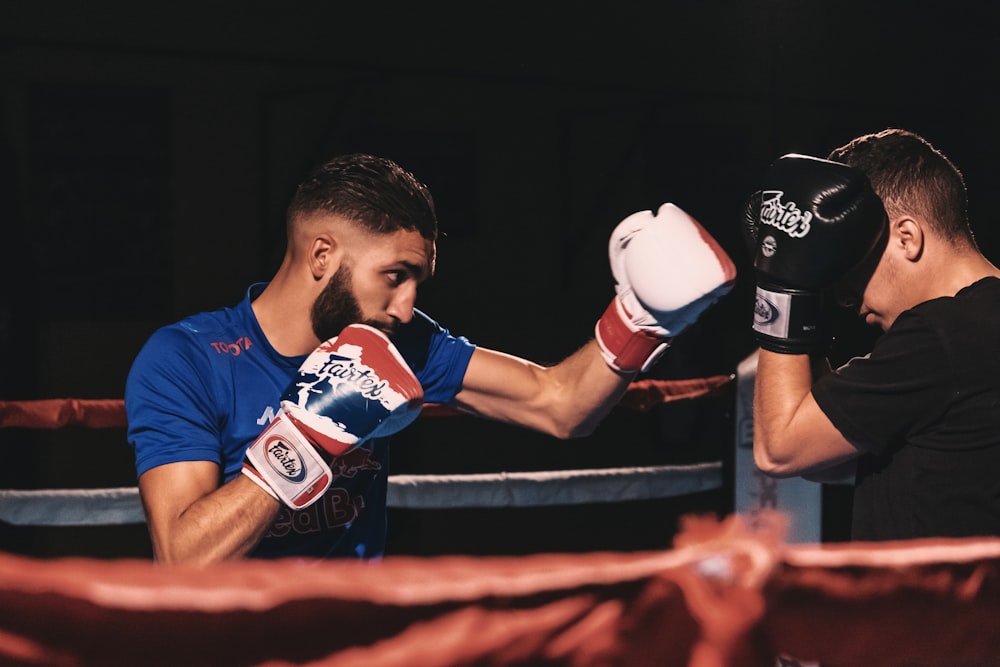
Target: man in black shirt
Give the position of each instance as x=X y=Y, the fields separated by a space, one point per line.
x=918 y=418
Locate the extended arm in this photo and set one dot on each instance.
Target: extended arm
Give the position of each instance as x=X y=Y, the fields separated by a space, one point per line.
x=667 y=270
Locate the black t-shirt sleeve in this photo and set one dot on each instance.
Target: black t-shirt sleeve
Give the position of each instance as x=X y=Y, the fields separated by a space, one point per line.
x=901 y=387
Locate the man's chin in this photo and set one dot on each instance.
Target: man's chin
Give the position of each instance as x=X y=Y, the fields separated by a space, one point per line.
x=389 y=329
x=329 y=331
x=332 y=331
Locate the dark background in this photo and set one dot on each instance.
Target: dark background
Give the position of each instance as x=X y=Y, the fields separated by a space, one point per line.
x=147 y=151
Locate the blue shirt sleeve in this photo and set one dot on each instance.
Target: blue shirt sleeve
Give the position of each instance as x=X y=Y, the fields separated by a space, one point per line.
x=437 y=358
x=169 y=408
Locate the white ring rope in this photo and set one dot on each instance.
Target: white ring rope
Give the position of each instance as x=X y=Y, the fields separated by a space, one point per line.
x=116 y=506
x=562 y=487
x=71 y=507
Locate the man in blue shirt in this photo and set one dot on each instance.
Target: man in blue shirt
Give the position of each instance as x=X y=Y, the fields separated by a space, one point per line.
x=361 y=238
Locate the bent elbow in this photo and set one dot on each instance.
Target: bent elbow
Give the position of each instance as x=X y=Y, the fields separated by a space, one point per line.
x=768 y=464
x=198 y=559
x=569 y=431
x=568 y=426
x=577 y=431
x=173 y=556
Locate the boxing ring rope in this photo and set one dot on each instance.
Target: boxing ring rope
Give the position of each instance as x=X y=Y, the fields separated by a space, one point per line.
x=121 y=505
x=57 y=413
x=729 y=593
x=726 y=595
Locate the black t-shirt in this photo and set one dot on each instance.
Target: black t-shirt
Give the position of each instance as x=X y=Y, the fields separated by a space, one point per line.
x=924 y=407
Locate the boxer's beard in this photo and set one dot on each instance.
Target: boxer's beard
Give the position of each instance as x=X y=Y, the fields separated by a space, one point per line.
x=336 y=306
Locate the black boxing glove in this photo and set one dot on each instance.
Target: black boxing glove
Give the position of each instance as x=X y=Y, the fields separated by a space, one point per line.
x=813 y=222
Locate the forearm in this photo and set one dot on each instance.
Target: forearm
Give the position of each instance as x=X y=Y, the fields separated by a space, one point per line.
x=782 y=384
x=588 y=390
x=223 y=525
x=566 y=400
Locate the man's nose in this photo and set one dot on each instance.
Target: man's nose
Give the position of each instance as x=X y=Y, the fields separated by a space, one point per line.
x=402 y=304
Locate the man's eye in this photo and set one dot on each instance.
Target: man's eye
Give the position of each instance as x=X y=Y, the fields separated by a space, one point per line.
x=395 y=277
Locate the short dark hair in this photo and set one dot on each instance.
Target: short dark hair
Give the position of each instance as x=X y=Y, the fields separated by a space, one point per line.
x=911 y=176
x=372 y=191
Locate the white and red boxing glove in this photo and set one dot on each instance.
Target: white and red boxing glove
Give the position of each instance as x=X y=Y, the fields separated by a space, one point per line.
x=667 y=270
x=350 y=389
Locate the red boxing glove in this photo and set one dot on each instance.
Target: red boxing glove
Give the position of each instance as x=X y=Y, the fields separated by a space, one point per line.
x=350 y=389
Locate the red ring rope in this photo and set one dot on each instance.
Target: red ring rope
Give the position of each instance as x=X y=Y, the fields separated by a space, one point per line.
x=57 y=413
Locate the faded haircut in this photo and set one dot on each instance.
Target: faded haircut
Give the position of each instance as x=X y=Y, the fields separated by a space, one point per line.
x=372 y=191
x=912 y=177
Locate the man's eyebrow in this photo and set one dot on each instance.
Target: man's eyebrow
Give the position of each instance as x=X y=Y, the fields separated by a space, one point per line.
x=417 y=270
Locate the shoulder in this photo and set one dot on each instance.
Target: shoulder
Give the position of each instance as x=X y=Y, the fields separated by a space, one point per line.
x=423 y=338
x=973 y=312
x=985 y=290
x=437 y=357
x=193 y=335
x=196 y=342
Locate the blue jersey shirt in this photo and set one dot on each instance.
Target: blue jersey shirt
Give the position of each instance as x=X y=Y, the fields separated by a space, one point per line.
x=204 y=388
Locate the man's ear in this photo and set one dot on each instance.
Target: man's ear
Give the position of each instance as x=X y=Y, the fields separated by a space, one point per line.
x=323 y=256
x=909 y=234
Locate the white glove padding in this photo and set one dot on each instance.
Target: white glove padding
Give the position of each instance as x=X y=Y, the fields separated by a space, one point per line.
x=350 y=389
x=667 y=270
x=286 y=465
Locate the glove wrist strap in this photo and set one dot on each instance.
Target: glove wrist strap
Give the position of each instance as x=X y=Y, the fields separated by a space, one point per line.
x=624 y=346
x=788 y=320
x=288 y=463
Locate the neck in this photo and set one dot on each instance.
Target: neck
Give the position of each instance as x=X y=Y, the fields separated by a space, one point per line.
x=956 y=271
x=284 y=312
